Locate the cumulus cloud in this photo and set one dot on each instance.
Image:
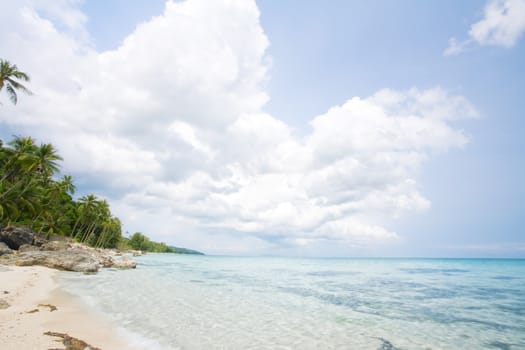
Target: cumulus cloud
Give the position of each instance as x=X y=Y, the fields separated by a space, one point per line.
x=502 y=25
x=170 y=126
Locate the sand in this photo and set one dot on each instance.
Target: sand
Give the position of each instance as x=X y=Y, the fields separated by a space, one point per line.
x=27 y=298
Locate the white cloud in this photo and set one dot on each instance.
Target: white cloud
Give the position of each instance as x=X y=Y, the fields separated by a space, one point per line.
x=455 y=47
x=502 y=25
x=171 y=124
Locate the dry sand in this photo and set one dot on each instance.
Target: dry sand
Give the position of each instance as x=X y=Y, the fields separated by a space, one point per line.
x=21 y=327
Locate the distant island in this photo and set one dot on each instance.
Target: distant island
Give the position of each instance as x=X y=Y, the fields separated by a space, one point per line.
x=138 y=241
x=178 y=250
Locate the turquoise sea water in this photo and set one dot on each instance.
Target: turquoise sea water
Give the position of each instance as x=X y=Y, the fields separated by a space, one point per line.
x=201 y=302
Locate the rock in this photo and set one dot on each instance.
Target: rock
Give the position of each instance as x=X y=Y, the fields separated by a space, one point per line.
x=14 y=237
x=55 y=245
x=39 y=240
x=124 y=263
x=28 y=248
x=4 y=249
x=64 y=255
x=61 y=260
x=105 y=260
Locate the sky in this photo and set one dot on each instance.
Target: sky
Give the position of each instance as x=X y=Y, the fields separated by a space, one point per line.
x=297 y=128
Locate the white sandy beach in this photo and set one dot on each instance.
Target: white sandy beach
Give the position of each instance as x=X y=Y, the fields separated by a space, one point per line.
x=21 y=327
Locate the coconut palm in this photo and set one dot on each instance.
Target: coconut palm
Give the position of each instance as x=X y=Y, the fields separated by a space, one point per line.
x=66 y=184
x=9 y=74
x=86 y=214
x=16 y=161
x=45 y=160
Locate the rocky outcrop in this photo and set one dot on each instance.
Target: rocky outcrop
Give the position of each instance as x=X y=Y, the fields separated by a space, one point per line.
x=124 y=263
x=62 y=260
x=55 y=245
x=14 y=237
x=39 y=240
x=33 y=249
x=4 y=249
x=28 y=248
x=105 y=260
x=80 y=260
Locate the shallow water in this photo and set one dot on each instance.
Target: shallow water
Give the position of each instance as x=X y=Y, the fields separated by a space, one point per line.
x=202 y=302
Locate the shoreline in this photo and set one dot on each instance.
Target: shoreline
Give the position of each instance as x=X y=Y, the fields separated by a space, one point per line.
x=28 y=296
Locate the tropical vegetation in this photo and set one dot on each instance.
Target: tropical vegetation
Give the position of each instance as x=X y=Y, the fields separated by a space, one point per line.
x=138 y=241
x=10 y=78
x=33 y=194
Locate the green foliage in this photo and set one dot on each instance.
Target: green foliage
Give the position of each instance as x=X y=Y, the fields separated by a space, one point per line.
x=178 y=250
x=10 y=78
x=140 y=242
x=32 y=195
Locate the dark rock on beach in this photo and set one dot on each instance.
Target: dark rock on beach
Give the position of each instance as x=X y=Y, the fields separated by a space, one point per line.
x=14 y=237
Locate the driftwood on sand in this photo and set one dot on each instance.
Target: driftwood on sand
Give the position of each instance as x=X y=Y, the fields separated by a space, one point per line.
x=71 y=343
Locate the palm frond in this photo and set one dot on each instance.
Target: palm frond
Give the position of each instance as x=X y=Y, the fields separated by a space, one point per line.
x=8 y=73
x=21 y=75
x=19 y=86
x=12 y=94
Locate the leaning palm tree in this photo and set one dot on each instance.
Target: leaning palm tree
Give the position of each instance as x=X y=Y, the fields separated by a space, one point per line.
x=8 y=73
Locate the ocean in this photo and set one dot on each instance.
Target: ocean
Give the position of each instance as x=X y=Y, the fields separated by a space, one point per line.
x=205 y=302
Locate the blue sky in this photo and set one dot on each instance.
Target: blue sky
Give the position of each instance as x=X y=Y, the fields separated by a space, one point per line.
x=477 y=192
x=457 y=191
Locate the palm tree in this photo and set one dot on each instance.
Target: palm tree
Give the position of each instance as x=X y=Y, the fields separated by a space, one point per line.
x=45 y=160
x=15 y=162
x=8 y=73
x=66 y=184
x=85 y=217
